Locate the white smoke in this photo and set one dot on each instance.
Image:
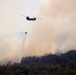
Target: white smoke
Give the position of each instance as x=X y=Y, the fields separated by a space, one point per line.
x=56 y=31
x=11 y=47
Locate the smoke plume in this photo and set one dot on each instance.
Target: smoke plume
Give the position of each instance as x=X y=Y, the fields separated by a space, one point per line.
x=11 y=47
x=56 y=31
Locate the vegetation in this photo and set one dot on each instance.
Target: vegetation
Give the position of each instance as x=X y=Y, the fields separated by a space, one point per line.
x=50 y=64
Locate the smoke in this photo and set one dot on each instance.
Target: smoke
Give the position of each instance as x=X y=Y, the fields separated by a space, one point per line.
x=56 y=31
x=11 y=47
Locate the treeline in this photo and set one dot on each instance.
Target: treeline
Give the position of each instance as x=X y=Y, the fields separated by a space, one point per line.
x=49 y=64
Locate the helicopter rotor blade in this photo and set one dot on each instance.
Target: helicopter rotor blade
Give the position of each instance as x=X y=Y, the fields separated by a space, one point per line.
x=38 y=18
x=24 y=16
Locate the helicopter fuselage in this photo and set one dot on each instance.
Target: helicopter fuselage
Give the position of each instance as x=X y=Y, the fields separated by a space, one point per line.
x=30 y=19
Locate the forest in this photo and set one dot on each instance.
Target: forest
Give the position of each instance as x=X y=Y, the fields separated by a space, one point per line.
x=48 y=64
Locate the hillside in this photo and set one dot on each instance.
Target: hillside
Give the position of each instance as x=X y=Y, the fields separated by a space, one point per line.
x=49 y=64
x=66 y=58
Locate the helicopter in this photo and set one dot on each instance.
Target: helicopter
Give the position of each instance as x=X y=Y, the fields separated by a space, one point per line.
x=31 y=19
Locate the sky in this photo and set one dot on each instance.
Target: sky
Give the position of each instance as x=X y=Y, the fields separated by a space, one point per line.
x=11 y=20
x=54 y=32
x=13 y=25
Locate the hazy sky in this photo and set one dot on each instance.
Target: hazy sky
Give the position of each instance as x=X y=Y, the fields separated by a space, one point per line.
x=11 y=20
x=56 y=31
x=13 y=25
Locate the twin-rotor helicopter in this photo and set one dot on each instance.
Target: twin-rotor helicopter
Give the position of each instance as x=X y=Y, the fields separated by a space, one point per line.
x=31 y=18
